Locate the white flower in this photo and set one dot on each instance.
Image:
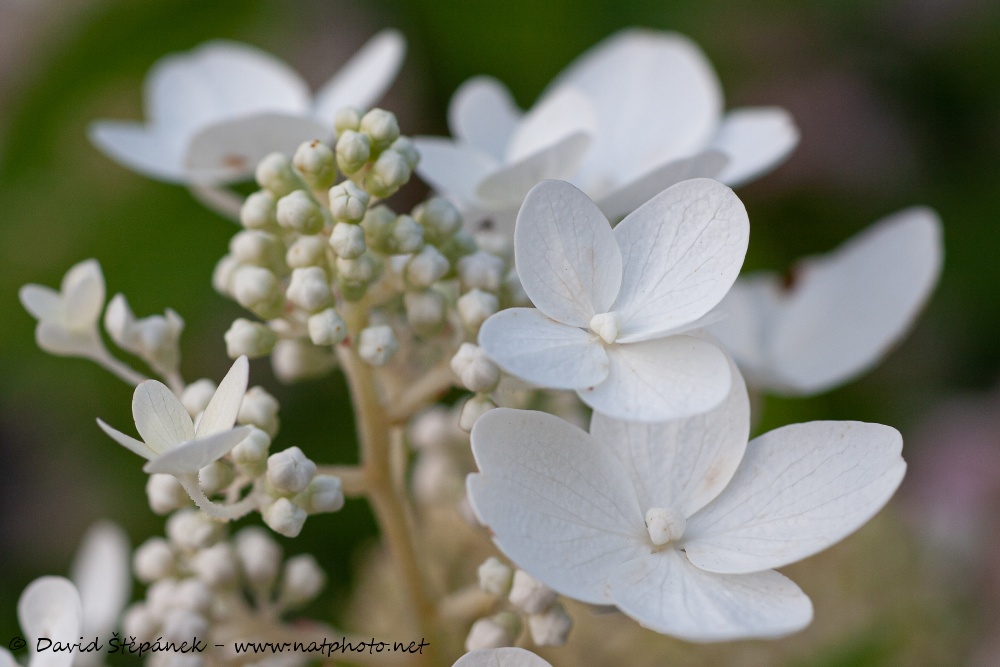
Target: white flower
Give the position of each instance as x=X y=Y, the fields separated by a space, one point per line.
x=612 y=305
x=170 y=440
x=501 y=657
x=679 y=524
x=154 y=339
x=215 y=112
x=102 y=576
x=637 y=113
x=842 y=311
x=67 y=319
x=49 y=607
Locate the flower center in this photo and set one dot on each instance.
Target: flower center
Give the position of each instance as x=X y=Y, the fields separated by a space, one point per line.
x=607 y=326
x=664 y=525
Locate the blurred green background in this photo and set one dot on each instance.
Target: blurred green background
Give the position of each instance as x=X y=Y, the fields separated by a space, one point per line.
x=898 y=102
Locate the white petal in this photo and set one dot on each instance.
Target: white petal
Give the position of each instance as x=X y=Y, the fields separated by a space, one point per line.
x=799 y=489
x=50 y=607
x=192 y=456
x=101 y=572
x=567 y=111
x=230 y=150
x=83 y=295
x=54 y=338
x=566 y=254
x=656 y=97
x=525 y=343
x=632 y=194
x=509 y=656
x=159 y=417
x=220 y=413
x=483 y=113
x=510 y=184
x=557 y=501
x=666 y=593
x=756 y=140
x=363 y=79
x=745 y=317
x=681 y=252
x=42 y=302
x=127 y=441
x=848 y=308
x=151 y=151
x=453 y=169
x=684 y=463
x=7 y=660
x=661 y=379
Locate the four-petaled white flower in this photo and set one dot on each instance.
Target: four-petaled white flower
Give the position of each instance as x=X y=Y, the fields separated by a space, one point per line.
x=215 y=112
x=841 y=312
x=509 y=656
x=637 y=113
x=613 y=305
x=154 y=339
x=48 y=608
x=171 y=441
x=67 y=319
x=679 y=524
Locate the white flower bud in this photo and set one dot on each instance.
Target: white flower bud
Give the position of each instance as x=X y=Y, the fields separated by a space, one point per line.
x=259 y=211
x=348 y=240
x=425 y=311
x=551 y=627
x=285 y=517
x=302 y=580
x=346 y=118
x=378 y=224
x=327 y=328
x=192 y=530
x=256 y=289
x=324 y=494
x=252 y=339
x=259 y=555
x=481 y=270
x=353 y=151
x=359 y=270
x=514 y=290
x=153 y=560
x=196 y=396
x=289 y=471
x=475 y=370
x=260 y=409
x=295 y=360
x=493 y=632
x=495 y=577
x=473 y=409
x=405 y=147
x=530 y=595
x=306 y=251
x=426 y=267
x=495 y=242
x=389 y=173
x=181 y=625
x=140 y=622
x=222 y=275
x=165 y=494
x=436 y=478
x=309 y=289
x=435 y=429
x=439 y=218
x=298 y=211
x=407 y=236
x=258 y=248
x=275 y=174
x=458 y=246
x=377 y=344
x=216 y=476
x=381 y=126
x=314 y=160
x=192 y=594
x=475 y=306
x=348 y=202
x=216 y=566
x=251 y=452
x=160 y=597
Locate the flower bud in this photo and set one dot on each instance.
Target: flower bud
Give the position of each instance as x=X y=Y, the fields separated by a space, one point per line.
x=475 y=370
x=260 y=409
x=407 y=236
x=257 y=290
x=324 y=494
x=426 y=267
x=285 y=517
x=495 y=577
x=439 y=218
x=165 y=494
x=314 y=160
x=378 y=224
x=405 y=147
x=153 y=560
x=530 y=595
x=360 y=270
x=192 y=530
x=196 y=396
x=222 y=275
x=216 y=476
x=259 y=211
x=160 y=597
x=191 y=594
x=473 y=409
x=327 y=328
x=255 y=247
x=309 y=289
x=181 y=625
x=435 y=429
x=140 y=622
x=475 y=306
x=348 y=202
x=347 y=118
x=481 y=270
x=298 y=211
x=381 y=126
x=551 y=627
x=251 y=452
x=425 y=311
x=289 y=471
x=377 y=344
x=307 y=251
x=348 y=240
x=390 y=172
x=259 y=555
x=275 y=174
x=252 y=339
x=302 y=580
x=353 y=151
x=493 y=632
x=295 y=360
x=216 y=566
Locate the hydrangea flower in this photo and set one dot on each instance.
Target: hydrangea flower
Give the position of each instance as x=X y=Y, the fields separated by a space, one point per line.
x=613 y=306
x=501 y=657
x=49 y=607
x=841 y=311
x=657 y=119
x=215 y=112
x=67 y=319
x=171 y=441
x=154 y=339
x=679 y=524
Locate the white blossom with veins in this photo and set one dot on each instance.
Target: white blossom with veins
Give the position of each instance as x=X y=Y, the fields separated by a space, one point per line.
x=613 y=306
x=648 y=115
x=679 y=524
x=67 y=319
x=215 y=112
x=842 y=311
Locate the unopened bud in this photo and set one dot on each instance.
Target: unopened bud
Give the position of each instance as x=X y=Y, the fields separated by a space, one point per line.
x=530 y=595
x=405 y=147
x=314 y=160
x=275 y=174
x=192 y=530
x=435 y=428
x=309 y=289
x=252 y=339
x=216 y=566
x=196 y=396
x=348 y=240
x=481 y=270
x=222 y=275
x=346 y=118
x=251 y=452
x=461 y=244
x=327 y=328
x=362 y=269
x=495 y=577
x=473 y=409
x=324 y=494
x=289 y=471
x=153 y=560
x=425 y=311
x=285 y=517
x=439 y=218
x=381 y=126
x=551 y=627
x=259 y=555
x=260 y=409
x=493 y=632
x=475 y=370
x=307 y=251
x=192 y=595
x=295 y=360
x=378 y=224
x=298 y=211
x=475 y=306
x=390 y=172
x=407 y=236
x=353 y=151
x=140 y=622
x=165 y=494
x=426 y=267
x=180 y=625
x=216 y=476
x=257 y=290
x=302 y=580
x=259 y=211
x=377 y=344
x=255 y=247
x=348 y=202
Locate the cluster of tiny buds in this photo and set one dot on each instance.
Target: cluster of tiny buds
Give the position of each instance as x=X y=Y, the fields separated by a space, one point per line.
x=531 y=601
x=201 y=584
